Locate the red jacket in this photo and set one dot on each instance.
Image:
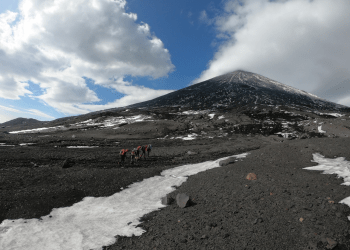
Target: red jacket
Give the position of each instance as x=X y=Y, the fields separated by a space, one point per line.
x=123 y=152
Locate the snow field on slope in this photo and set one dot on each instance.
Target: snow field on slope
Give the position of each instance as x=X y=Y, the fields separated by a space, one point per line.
x=94 y=222
x=338 y=166
x=110 y=122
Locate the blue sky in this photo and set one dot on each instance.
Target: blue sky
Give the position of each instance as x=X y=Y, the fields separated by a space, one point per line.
x=69 y=58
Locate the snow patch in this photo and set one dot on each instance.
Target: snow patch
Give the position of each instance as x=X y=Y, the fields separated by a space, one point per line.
x=95 y=221
x=320 y=129
x=338 y=166
x=211 y=116
x=26 y=144
x=82 y=146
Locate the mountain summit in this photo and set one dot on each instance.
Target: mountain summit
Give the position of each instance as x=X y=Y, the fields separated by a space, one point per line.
x=237 y=89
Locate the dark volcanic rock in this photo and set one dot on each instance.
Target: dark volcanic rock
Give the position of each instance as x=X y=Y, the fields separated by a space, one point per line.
x=68 y=163
x=166 y=200
x=227 y=161
x=237 y=89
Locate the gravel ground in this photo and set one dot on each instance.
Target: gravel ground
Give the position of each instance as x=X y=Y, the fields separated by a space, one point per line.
x=285 y=208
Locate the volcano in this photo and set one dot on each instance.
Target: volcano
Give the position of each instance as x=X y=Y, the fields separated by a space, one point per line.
x=237 y=89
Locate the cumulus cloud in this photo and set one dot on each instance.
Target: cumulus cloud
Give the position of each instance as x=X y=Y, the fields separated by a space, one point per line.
x=297 y=42
x=55 y=43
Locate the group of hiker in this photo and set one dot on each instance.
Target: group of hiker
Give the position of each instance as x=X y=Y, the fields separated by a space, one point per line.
x=136 y=153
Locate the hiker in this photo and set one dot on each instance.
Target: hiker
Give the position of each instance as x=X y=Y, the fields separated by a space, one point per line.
x=138 y=151
x=143 y=152
x=123 y=155
x=133 y=156
x=148 y=149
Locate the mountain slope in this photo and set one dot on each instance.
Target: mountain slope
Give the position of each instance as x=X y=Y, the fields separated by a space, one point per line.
x=22 y=121
x=240 y=88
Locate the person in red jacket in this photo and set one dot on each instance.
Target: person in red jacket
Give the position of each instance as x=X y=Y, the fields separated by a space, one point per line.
x=133 y=156
x=123 y=155
x=138 y=152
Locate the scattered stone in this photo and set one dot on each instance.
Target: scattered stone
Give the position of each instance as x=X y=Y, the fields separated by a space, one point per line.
x=227 y=161
x=182 y=200
x=166 y=200
x=68 y=163
x=191 y=153
x=331 y=243
x=251 y=176
x=35 y=165
x=73 y=136
x=258 y=220
x=301 y=219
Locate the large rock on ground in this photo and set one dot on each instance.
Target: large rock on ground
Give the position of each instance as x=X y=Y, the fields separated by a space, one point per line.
x=68 y=163
x=182 y=200
x=227 y=161
x=166 y=200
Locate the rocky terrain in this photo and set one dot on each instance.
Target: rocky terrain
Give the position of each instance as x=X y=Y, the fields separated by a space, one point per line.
x=59 y=163
x=230 y=212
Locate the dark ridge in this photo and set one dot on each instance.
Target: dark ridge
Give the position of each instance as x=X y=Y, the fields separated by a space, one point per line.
x=237 y=89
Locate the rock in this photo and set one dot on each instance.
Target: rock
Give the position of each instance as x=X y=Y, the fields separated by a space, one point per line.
x=68 y=163
x=331 y=243
x=167 y=200
x=227 y=161
x=191 y=153
x=73 y=136
x=251 y=176
x=182 y=200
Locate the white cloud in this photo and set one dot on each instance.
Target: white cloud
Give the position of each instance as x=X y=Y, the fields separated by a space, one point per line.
x=8 y=113
x=297 y=42
x=55 y=43
x=4 y=108
x=39 y=113
x=134 y=94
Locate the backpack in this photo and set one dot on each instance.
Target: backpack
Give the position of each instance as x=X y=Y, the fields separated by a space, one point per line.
x=138 y=148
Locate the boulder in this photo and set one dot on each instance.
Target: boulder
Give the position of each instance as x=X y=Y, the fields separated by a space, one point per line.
x=227 y=161
x=68 y=163
x=166 y=200
x=182 y=200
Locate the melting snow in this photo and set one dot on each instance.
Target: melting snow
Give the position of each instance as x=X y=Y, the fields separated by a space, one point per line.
x=109 y=122
x=4 y=145
x=338 y=166
x=285 y=135
x=26 y=144
x=331 y=114
x=35 y=130
x=211 y=116
x=94 y=222
x=188 y=137
x=82 y=146
x=320 y=129
x=221 y=117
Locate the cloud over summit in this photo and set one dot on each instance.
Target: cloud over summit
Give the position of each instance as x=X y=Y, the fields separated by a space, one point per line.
x=297 y=42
